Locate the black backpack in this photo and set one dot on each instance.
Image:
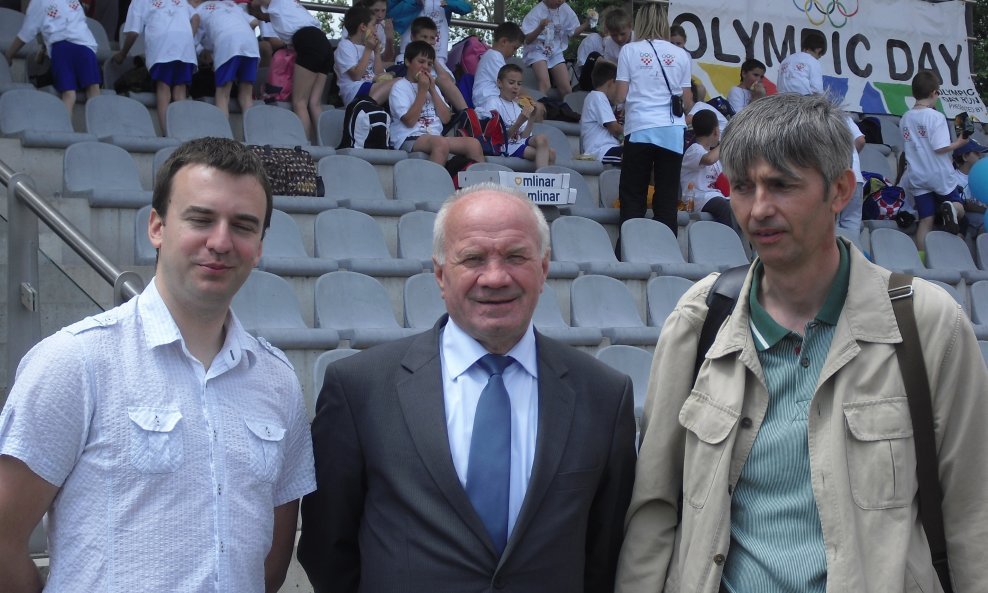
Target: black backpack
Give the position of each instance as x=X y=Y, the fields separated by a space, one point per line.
x=366 y=125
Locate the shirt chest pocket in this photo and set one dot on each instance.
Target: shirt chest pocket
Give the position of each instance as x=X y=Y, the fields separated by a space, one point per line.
x=881 y=454
x=264 y=440
x=155 y=439
x=709 y=424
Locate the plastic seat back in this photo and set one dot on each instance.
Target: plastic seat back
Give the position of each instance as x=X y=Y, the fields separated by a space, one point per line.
x=267 y=301
x=283 y=238
x=714 y=243
x=601 y=301
x=29 y=109
x=424 y=303
x=348 y=300
x=649 y=241
x=415 y=235
x=187 y=120
x=634 y=362
x=92 y=166
x=419 y=180
x=348 y=177
x=663 y=293
x=579 y=239
x=267 y=124
x=346 y=234
x=109 y=115
x=330 y=130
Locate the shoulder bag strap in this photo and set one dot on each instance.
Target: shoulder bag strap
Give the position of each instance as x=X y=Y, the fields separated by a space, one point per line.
x=909 y=353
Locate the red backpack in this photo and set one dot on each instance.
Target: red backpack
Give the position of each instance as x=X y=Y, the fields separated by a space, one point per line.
x=491 y=131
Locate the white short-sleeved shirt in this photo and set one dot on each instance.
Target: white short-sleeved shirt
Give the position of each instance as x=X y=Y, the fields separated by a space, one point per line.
x=800 y=73
x=591 y=43
x=855 y=158
x=57 y=20
x=924 y=131
x=701 y=106
x=701 y=176
x=168 y=473
x=509 y=111
x=347 y=56
x=399 y=102
x=648 y=104
x=485 y=80
x=224 y=28
x=594 y=137
x=167 y=29
x=738 y=98
x=435 y=10
x=554 y=39
x=288 y=16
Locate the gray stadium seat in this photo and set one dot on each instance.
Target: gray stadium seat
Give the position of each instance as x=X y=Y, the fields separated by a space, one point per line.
x=424 y=303
x=355 y=241
x=189 y=119
x=607 y=304
x=124 y=122
x=357 y=306
x=984 y=350
x=7 y=80
x=267 y=124
x=587 y=203
x=981 y=249
x=853 y=238
x=608 y=185
x=663 y=293
x=873 y=161
x=159 y=159
x=514 y=163
x=715 y=244
x=946 y=251
x=648 y=241
x=423 y=182
x=891 y=133
x=144 y=252
x=585 y=242
x=415 y=237
x=896 y=251
x=267 y=307
x=104 y=174
x=284 y=253
x=112 y=71
x=548 y=320
x=979 y=308
x=634 y=362
x=353 y=183
x=319 y=374
x=10 y=24
x=490 y=166
x=564 y=152
x=38 y=119
x=575 y=100
x=103 y=50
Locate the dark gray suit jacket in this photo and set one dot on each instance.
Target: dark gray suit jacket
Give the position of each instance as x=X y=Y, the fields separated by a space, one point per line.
x=390 y=514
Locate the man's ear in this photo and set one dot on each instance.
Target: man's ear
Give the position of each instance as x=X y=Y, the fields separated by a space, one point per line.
x=843 y=188
x=155 y=228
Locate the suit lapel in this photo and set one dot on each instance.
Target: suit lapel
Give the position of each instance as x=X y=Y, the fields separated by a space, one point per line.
x=556 y=407
x=420 y=395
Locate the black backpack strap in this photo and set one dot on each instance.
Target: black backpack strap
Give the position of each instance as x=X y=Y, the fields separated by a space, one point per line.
x=721 y=299
x=909 y=353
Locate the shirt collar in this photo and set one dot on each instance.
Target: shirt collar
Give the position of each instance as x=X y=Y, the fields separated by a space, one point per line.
x=461 y=351
x=767 y=332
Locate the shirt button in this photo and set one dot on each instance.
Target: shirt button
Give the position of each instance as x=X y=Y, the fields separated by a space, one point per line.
x=746 y=422
x=719 y=559
x=805 y=362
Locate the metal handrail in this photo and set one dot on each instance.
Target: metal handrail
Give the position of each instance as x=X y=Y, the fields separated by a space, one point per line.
x=72 y=236
x=342 y=9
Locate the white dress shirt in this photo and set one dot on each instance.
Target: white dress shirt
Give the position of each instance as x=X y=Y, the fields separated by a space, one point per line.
x=463 y=381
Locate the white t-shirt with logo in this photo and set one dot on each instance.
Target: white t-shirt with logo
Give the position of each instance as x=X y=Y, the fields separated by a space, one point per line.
x=800 y=73
x=594 y=137
x=554 y=38
x=288 y=16
x=738 y=98
x=701 y=176
x=225 y=30
x=485 y=80
x=924 y=131
x=399 y=102
x=648 y=104
x=167 y=29
x=347 y=56
x=59 y=20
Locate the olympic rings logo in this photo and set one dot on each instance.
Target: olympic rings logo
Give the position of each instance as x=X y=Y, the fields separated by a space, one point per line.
x=821 y=11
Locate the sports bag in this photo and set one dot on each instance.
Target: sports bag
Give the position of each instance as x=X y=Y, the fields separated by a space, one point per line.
x=366 y=125
x=882 y=200
x=291 y=171
x=490 y=131
x=280 y=74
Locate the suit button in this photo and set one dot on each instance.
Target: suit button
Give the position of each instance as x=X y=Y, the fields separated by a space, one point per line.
x=719 y=559
x=498 y=583
x=746 y=422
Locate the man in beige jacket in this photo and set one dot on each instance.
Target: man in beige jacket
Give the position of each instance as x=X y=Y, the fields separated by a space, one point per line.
x=790 y=464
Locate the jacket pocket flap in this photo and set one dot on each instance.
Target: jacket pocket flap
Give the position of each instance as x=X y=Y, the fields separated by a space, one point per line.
x=154 y=419
x=709 y=421
x=265 y=430
x=879 y=420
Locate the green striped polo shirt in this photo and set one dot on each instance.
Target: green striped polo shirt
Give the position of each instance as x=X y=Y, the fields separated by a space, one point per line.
x=776 y=539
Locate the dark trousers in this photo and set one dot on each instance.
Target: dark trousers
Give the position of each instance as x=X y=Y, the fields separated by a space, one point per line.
x=641 y=162
x=720 y=209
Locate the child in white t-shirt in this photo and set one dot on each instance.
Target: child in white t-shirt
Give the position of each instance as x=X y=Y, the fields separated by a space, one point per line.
x=508 y=37
x=403 y=12
x=548 y=27
x=169 y=47
x=750 y=88
x=618 y=24
x=600 y=130
x=701 y=168
x=227 y=32
x=800 y=73
x=358 y=64
x=518 y=118
x=418 y=111
x=424 y=29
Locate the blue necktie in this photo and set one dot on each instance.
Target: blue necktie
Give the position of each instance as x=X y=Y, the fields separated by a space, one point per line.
x=489 y=467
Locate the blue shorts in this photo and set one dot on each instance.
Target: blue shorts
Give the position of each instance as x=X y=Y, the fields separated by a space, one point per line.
x=173 y=73
x=613 y=156
x=926 y=204
x=238 y=68
x=520 y=151
x=73 y=66
x=364 y=89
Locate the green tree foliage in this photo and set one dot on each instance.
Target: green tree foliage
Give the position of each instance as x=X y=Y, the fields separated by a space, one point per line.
x=980 y=72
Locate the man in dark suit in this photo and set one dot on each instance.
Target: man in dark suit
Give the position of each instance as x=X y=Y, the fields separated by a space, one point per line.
x=478 y=455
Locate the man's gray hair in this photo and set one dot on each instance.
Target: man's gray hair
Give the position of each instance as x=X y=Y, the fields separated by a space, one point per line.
x=439 y=228
x=788 y=131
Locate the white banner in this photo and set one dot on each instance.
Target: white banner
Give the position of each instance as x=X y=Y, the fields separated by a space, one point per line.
x=875 y=47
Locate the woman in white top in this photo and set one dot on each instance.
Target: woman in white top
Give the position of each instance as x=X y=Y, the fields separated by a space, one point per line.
x=653 y=79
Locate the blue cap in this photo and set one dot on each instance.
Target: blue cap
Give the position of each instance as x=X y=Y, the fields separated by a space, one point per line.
x=971 y=146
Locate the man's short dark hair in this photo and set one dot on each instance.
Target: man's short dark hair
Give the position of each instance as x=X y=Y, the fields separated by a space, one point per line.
x=924 y=83
x=814 y=40
x=222 y=154
x=704 y=123
x=509 y=67
x=752 y=64
x=677 y=31
x=356 y=16
x=423 y=23
x=602 y=72
x=419 y=48
x=510 y=31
